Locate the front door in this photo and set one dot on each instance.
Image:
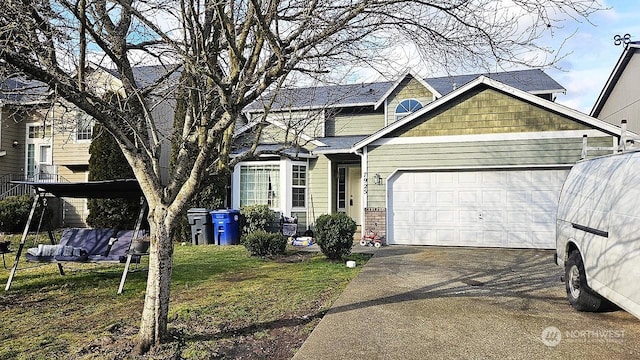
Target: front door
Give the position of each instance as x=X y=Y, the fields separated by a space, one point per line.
x=38 y=157
x=349 y=193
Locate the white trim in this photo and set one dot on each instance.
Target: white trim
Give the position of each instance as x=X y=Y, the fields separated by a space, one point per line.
x=291 y=208
x=489 y=137
x=482 y=80
x=477 y=168
x=286 y=183
x=329 y=188
x=615 y=75
x=311 y=107
x=548 y=92
x=364 y=165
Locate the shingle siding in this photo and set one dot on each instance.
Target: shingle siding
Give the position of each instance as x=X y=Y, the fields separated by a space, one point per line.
x=489 y=112
x=409 y=88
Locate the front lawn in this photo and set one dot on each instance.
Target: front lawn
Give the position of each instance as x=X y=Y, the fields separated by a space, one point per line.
x=224 y=305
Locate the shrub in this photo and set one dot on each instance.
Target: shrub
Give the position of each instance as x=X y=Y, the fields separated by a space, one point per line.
x=262 y=243
x=334 y=235
x=14 y=211
x=107 y=162
x=256 y=217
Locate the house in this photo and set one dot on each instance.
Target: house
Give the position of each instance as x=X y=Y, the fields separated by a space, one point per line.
x=475 y=160
x=44 y=138
x=620 y=98
x=23 y=103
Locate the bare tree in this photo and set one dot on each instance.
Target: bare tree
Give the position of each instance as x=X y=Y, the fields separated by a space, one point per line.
x=228 y=54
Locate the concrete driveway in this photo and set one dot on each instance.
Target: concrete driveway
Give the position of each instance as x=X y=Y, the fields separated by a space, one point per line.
x=464 y=303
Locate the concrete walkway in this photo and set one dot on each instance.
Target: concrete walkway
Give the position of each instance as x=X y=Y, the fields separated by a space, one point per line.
x=464 y=303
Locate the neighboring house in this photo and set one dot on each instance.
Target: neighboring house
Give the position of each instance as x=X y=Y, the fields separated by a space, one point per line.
x=620 y=98
x=475 y=160
x=53 y=137
x=23 y=103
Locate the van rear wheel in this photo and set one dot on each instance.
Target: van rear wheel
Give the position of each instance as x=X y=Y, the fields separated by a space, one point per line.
x=580 y=295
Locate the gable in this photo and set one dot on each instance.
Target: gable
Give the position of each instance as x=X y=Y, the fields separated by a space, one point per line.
x=622 y=100
x=487 y=111
x=409 y=88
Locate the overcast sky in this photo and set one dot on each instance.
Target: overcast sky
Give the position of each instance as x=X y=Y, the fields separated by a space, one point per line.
x=593 y=53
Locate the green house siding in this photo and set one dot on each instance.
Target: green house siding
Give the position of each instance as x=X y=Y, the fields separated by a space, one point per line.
x=354 y=124
x=385 y=159
x=489 y=111
x=318 y=202
x=409 y=88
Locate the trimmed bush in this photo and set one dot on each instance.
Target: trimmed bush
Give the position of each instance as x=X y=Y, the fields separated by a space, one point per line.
x=334 y=235
x=14 y=211
x=256 y=217
x=262 y=243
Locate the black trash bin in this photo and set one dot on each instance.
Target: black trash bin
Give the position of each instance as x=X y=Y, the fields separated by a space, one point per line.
x=201 y=227
x=226 y=226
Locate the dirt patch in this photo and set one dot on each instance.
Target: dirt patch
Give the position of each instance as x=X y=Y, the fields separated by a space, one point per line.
x=276 y=340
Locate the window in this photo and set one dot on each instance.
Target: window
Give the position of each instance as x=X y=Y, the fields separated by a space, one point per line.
x=84 y=129
x=260 y=185
x=38 y=131
x=299 y=186
x=407 y=107
x=342 y=188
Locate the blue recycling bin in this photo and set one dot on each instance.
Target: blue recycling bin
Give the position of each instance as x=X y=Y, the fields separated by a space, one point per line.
x=226 y=226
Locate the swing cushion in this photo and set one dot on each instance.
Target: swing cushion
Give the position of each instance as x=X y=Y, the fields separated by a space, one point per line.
x=81 y=244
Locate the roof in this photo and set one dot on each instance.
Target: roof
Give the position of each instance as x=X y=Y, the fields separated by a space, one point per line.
x=19 y=91
x=145 y=75
x=325 y=96
x=337 y=144
x=485 y=81
x=534 y=81
x=125 y=188
x=615 y=75
x=270 y=149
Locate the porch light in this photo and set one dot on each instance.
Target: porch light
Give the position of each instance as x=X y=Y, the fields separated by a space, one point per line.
x=377 y=179
x=15 y=143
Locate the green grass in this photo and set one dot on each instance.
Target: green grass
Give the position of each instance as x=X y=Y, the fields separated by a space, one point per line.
x=221 y=301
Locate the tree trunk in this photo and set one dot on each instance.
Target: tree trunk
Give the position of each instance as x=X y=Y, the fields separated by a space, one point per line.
x=153 y=327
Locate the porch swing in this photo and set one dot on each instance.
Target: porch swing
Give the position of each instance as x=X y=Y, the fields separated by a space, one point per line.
x=79 y=244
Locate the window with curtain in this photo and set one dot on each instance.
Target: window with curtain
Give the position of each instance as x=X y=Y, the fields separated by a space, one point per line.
x=260 y=185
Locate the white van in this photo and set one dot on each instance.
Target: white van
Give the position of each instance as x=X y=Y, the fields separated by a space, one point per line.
x=598 y=233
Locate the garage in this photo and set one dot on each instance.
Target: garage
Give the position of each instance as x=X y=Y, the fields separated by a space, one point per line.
x=513 y=208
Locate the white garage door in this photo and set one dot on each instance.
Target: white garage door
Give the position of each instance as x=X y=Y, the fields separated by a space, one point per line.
x=510 y=208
